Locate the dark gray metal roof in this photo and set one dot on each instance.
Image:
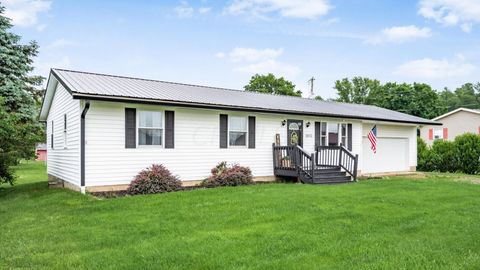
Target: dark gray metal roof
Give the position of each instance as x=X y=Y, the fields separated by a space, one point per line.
x=108 y=87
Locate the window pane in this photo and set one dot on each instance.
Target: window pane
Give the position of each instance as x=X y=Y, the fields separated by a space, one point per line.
x=150 y=119
x=332 y=134
x=344 y=130
x=344 y=141
x=324 y=129
x=323 y=141
x=238 y=138
x=149 y=136
x=238 y=123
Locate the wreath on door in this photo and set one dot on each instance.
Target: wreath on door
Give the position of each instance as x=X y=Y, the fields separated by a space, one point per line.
x=294 y=138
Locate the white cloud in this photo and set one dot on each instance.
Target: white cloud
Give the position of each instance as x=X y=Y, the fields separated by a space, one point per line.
x=25 y=12
x=204 y=10
x=43 y=66
x=400 y=34
x=303 y=9
x=262 y=61
x=428 y=68
x=60 y=43
x=184 y=10
x=452 y=12
x=252 y=55
x=270 y=66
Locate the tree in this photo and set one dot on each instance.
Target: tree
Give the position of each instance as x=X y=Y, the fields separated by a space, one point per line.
x=468 y=95
x=19 y=99
x=272 y=85
x=356 y=91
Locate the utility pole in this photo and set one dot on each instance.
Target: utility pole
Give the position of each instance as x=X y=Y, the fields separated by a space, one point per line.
x=312 y=95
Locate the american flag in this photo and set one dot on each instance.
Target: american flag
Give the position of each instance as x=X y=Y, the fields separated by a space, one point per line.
x=372 y=137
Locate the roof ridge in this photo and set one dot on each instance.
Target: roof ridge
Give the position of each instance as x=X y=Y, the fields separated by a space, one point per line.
x=196 y=85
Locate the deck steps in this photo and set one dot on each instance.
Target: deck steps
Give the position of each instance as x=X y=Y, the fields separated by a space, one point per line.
x=330 y=176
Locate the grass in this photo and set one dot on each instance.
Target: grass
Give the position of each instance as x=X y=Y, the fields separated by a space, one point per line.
x=398 y=223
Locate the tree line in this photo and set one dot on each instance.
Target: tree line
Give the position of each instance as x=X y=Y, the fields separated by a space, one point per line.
x=417 y=99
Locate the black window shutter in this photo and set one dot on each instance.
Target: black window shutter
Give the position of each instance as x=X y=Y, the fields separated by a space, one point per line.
x=51 y=135
x=169 y=129
x=130 y=128
x=223 y=130
x=251 y=132
x=349 y=132
x=317 y=134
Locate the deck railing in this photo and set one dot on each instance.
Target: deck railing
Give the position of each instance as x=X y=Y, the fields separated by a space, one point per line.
x=294 y=158
x=337 y=156
x=294 y=161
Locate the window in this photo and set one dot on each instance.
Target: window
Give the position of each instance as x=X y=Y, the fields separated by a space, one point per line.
x=237 y=131
x=332 y=134
x=150 y=128
x=323 y=133
x=344 y=135
x=438 y=134
x=65 y=131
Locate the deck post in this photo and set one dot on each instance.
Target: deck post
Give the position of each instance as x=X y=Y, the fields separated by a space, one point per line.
x=274 y=159
x=340 y=150
x=312 y=164
x=355 y=168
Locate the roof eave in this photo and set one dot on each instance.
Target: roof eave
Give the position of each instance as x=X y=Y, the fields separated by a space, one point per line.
x=77 y=95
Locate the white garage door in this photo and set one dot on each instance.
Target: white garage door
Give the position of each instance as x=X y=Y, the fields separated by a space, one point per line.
x=391 y=156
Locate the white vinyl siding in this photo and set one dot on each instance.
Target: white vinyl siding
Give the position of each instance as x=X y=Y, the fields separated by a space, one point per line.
x=63 y=157
x=196 y=150
x=389 y=136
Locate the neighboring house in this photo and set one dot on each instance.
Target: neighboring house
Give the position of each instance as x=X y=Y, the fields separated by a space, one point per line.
x=456 y=122
x=41 y=151
x=102 y=130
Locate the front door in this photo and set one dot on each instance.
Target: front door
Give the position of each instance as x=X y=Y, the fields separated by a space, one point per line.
x=294 y=132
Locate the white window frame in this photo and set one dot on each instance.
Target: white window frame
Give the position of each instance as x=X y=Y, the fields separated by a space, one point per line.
x=138 y=127
x=338 y=132
x=229 y=130
x=326 y=133
x=440 y=133
x=344 y=135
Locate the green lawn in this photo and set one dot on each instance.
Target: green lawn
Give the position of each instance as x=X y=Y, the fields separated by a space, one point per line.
x=397 y=223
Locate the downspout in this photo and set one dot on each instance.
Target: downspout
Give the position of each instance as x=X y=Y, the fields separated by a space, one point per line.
x=82 y=147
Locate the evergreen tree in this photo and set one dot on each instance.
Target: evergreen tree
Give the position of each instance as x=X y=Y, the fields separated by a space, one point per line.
x=19 y=99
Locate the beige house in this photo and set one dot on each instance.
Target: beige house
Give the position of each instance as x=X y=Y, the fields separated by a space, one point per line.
x=456 y=122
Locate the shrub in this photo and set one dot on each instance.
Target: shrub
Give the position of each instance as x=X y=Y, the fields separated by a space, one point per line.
x=228 y=175
x=423 y=153
x=444 y=156
x=468 y=153
x=154 y=179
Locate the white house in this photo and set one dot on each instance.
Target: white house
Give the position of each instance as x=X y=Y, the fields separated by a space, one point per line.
x=102 y=130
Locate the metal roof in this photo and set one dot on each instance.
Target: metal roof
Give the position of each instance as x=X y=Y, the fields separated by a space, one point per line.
x=87 y=85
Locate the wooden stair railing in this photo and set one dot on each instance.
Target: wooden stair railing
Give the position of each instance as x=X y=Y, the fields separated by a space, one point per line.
x=294 y=158
x=337 y=156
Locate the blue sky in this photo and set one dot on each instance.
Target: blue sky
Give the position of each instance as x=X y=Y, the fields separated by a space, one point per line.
x=223 y=43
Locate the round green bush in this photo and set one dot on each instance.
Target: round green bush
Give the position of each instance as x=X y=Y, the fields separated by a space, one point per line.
x=444 y=156
x=154 y=179
x=468 y=153
x=228 y=175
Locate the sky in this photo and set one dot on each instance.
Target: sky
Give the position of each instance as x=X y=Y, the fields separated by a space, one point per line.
x=224 y=43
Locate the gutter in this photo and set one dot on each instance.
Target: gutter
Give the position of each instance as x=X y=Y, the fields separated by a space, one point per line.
x=82 y=146
x=234 y=108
